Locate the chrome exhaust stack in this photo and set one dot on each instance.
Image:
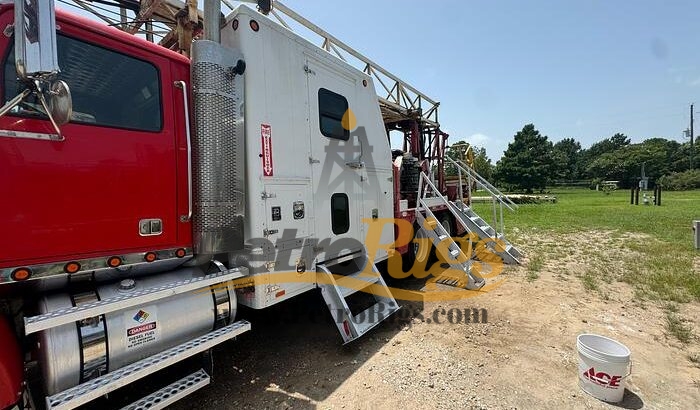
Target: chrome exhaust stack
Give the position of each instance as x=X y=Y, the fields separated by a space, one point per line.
x=212 y=20
x=218 y=159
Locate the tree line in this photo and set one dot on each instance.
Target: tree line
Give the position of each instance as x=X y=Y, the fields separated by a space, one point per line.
x=532 y=162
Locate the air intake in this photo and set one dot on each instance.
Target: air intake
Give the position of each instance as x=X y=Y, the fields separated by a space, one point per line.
x=218 y=162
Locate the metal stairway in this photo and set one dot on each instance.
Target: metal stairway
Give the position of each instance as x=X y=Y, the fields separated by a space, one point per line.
x=338 y=282
x=459 y=274
x=475 y=223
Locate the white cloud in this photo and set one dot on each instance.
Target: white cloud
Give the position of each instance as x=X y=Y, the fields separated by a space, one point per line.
x=478 y=139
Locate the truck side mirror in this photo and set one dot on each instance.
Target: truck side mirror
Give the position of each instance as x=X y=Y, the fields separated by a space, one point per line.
x=36 y=61
x=36 y=54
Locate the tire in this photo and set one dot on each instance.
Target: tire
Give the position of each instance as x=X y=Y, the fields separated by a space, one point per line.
x=415 y=254
x=448 y=223
x=410 y=174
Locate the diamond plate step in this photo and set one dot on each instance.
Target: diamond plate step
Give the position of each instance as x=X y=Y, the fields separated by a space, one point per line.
x=60 y=317
x=102 y=385
x=172 y=392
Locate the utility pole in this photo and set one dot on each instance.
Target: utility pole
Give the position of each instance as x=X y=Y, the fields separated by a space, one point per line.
x=692 y=149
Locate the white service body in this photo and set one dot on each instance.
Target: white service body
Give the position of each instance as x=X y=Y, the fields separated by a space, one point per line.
x=290 y=162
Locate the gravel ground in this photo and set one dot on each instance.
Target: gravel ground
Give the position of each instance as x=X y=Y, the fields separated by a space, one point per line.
x=523 y=358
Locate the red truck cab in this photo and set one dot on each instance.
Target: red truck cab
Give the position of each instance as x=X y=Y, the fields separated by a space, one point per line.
x=114 y=189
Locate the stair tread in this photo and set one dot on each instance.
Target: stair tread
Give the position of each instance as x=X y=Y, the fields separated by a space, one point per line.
x=350 y=283
x=373 y=311
x=172 y=392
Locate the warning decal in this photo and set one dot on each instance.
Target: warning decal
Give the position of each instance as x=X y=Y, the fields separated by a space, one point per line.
x=266 y=140
x=141 y=327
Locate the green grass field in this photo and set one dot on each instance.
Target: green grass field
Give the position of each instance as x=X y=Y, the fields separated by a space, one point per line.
x=665 y=268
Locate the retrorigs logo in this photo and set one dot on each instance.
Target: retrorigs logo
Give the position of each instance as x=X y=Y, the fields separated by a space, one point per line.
x=487 y=264
x=341 y=162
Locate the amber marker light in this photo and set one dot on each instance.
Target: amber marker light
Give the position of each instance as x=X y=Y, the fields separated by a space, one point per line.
x=71 y=267
x=21 y=274
x=114 y=262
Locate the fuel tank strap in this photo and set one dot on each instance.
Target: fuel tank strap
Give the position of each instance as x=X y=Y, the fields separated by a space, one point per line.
x=221 y=294
x=92 y=333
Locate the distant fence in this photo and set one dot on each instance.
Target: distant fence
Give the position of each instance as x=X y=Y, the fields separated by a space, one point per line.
x=580 y=183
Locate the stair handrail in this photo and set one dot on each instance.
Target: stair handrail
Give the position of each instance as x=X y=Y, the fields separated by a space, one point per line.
x=422 y=192
x=426 y=177
x=495 y=192
x=422 y=205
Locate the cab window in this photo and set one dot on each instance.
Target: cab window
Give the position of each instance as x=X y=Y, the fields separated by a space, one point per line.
x=108 y=88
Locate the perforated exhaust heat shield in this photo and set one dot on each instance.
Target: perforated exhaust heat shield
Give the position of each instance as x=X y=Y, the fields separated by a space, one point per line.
x=218 y=162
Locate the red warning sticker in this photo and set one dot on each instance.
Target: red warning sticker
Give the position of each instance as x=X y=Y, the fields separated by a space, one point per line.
x=266 y=139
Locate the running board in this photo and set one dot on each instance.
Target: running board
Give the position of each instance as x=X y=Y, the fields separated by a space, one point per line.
x=172 y=392
x=459 y=274
x=336 y=287
x=73 y=314
x=92 y=389
x=474 y=223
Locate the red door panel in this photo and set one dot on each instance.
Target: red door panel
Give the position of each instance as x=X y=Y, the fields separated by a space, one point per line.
x=85 y=195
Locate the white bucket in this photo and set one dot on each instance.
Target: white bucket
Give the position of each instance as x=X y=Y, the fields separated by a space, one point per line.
x=603 y=366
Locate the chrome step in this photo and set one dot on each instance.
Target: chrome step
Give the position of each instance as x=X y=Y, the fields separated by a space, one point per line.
x=172 y=392
x=90 y=390
x=60 y=317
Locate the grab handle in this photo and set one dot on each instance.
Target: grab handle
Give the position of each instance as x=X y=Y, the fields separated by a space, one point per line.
x=185 y=102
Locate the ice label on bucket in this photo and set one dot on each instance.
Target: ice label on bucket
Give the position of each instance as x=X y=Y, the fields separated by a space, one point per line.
x=602 y=378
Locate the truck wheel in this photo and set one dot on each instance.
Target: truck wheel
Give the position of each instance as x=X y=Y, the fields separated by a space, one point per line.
x=447 y=223
x=418 y=254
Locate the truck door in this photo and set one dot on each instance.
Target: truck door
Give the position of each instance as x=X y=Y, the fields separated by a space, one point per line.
x=114 y=172
x=337 y=186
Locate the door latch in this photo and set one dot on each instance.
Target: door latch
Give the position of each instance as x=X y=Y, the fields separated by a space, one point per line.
x=268 y=232
x=307 y=70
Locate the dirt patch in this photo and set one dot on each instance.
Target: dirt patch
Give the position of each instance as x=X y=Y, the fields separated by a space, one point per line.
x=523 y=357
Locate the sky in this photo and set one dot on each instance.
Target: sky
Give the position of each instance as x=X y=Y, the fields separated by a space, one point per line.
x=582 y=69
x=585 y=69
